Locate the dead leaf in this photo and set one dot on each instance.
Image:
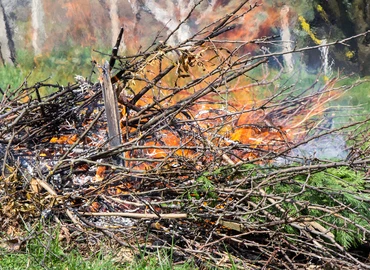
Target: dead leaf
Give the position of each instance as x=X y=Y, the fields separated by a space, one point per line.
x=95 y=206
x=232 y=225
x=11 y=244
x=99 y=176
x=64 y=234
x=35 y=187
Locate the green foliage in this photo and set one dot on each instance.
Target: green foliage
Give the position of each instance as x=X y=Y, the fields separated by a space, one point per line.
x=58 y=66
x=357 y=98
x=337 y=189
x=11 y=77
x=247 y=170
x=162 y=260
x=206 y=182
x=44 y=251
x=205 y=188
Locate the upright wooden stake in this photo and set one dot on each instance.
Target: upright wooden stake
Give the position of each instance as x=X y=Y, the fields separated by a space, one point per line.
x=111 y=108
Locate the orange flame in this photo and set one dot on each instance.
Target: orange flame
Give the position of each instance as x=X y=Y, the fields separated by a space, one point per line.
x=225 y=116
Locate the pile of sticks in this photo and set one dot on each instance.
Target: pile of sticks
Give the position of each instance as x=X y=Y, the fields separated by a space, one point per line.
x=177 y=147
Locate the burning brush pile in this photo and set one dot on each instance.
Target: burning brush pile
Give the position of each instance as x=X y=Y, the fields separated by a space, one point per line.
x=185 y=148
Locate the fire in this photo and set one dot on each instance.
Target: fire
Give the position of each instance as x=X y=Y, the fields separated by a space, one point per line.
x=232 y=114
x=64 y=139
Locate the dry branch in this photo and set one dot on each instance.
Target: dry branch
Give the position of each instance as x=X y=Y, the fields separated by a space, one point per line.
x=209 y=156
x=136 y=215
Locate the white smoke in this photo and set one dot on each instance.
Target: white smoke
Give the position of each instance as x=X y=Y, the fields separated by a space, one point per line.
x=167 y=16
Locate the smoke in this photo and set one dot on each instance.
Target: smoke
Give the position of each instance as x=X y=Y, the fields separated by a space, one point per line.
x=327 y=147
x=167 y=16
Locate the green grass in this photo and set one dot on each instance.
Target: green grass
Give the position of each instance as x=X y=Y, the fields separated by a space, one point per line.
x=354 y=105
x=30 y=260
x=45 y=251
x=161 y=261
x=57 y=67
x=359 y=96
x=36 y=259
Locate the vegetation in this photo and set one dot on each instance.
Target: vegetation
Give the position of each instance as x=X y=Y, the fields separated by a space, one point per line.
x=45 y=252
x=46 y=249
x=58 y=67
x=209 y=163
x=332 y=188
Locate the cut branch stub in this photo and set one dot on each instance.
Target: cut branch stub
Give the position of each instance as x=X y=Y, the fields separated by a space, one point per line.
x=115 y=49
x=111 y=108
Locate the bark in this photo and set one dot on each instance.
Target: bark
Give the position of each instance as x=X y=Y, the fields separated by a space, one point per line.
x=345 y=21
x=9 y=46
x=361 y=13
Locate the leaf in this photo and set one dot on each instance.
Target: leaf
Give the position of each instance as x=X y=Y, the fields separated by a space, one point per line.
x=54 y=140
x=99 y=176
x=35 y=186
x=64 y=234
x=64 y=139
x=95 y=206
x=11 y=244
x=232 y=225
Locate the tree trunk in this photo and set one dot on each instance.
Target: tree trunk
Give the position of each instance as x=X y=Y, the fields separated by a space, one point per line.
x=7 y=48
x=361 y=14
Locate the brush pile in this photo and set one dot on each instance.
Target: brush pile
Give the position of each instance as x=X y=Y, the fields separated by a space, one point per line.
x=216 y=158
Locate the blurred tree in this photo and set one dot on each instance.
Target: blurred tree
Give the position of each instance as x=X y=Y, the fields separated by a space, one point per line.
x=343 y=18
x=7 y=49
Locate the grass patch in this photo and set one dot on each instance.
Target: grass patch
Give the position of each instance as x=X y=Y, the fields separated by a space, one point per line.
x=57 y=67
x=45 y=251
x=358 y=98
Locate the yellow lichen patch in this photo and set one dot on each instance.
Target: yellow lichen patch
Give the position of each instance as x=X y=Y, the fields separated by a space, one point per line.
x=322 y=13
x=350 y=54
x=307 y=28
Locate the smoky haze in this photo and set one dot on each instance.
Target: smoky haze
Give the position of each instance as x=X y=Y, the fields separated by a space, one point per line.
x=41 y=26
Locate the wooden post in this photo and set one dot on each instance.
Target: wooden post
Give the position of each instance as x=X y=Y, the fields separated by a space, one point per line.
x=111 y=108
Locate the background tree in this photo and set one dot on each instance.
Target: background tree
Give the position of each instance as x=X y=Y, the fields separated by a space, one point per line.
x=7 y=48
